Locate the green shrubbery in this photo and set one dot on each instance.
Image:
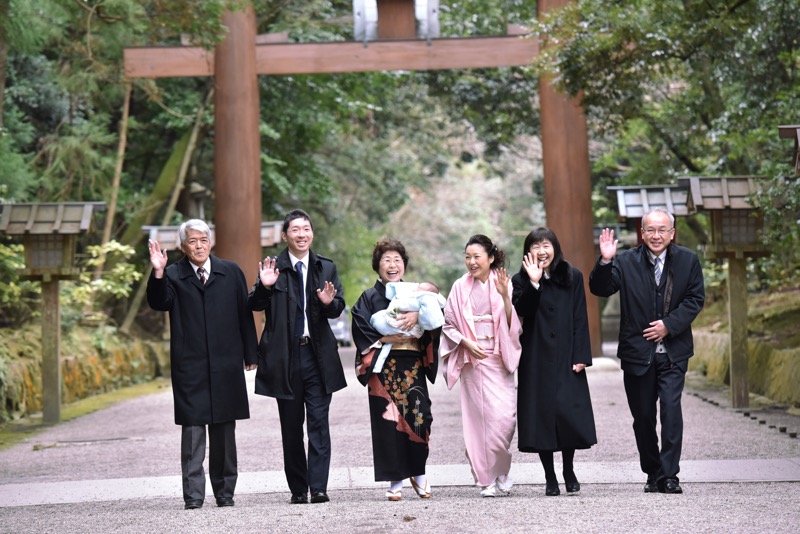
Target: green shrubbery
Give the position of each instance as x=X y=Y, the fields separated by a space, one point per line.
x=19 y=299
x=90 y=295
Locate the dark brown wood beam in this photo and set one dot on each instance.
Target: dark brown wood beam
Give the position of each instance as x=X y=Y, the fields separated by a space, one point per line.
x=237 y=148
x=567 y=183
x=396 y=19
x=317 y=58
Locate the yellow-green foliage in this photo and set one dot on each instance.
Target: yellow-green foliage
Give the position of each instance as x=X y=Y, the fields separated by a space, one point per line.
x=92 y=361
x=772 y=372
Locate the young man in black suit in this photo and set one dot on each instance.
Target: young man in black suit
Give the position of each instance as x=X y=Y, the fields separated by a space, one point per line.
x=299 y=357
x=661 y=293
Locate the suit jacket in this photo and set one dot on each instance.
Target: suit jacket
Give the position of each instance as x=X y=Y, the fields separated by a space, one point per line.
x=278 y=348
x=676 y=300
x=212 y=336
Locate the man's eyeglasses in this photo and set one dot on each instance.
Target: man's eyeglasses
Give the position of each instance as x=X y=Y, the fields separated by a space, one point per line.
x=657 y=231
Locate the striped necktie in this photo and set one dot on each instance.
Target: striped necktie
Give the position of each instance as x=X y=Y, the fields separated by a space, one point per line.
x=657 y=270
x=202 y=274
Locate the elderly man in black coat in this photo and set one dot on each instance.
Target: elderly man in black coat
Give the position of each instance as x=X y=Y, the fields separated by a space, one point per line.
x=213 y=340
x=661 y=293
x=298 y=355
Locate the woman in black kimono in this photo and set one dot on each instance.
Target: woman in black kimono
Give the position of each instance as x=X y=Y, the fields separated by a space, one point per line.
x=399 y=406
x=554 y=409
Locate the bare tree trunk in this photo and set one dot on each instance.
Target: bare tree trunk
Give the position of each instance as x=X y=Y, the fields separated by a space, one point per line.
x=112 y=203
x=187 y=158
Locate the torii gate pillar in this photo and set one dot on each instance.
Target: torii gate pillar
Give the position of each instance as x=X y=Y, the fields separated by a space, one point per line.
x=567 y=182
x=237 y=162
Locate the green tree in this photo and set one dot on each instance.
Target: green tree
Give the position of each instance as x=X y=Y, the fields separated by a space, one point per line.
x=682 y=87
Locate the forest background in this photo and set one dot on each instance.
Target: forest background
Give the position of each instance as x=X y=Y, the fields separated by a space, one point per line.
x=670 y=88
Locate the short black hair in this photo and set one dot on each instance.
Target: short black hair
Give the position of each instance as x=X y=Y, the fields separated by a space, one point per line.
x=296 y=214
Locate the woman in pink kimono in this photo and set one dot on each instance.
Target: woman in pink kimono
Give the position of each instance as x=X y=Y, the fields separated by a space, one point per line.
x=480 y=344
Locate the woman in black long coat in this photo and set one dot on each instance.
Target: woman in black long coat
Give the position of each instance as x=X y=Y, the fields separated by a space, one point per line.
x=554 y=408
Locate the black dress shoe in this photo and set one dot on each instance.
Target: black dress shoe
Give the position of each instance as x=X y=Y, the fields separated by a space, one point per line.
x=299 y=498
x=650 y=486
x=193 y=505
x=319 y=496
x=671 y=486
x=225 y=501
x=551 y=489
x=573 y=487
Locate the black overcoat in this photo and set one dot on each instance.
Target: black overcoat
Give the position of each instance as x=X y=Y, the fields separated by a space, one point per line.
x=212 y=337
x=277 y=346
x=554 y=408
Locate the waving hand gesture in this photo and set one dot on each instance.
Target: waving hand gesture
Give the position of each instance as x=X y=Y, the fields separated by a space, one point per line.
x=531 y=265
x=158 y=258
x=502 y=281
x=268 y=272
x=608 y=245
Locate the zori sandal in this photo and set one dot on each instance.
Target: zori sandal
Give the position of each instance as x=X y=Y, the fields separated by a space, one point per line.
x=423 y=492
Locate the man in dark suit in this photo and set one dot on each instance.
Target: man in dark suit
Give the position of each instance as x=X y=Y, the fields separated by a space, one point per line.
x=661 y=293
x=213 y=339
x=299 y=357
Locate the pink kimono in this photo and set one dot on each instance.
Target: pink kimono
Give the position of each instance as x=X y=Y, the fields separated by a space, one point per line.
x=488 y=396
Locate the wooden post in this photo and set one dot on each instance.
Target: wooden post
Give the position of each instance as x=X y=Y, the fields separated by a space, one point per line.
x=237 y=162
x=567 y=183
x=396 y=19
x=51 y=353
x=737 y=324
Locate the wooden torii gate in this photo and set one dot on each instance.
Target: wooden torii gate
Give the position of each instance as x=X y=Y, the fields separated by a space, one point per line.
x=241 y=57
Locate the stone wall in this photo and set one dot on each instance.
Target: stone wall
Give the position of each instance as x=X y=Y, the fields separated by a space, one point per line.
x=774 y=373
x=92 y=362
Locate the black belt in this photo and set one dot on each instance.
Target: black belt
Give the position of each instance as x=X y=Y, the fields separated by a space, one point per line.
x=304 y=340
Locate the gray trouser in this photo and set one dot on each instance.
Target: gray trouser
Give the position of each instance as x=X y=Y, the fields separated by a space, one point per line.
x=222 y=461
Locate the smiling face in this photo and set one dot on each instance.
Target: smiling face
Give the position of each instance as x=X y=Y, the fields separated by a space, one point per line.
x=391 y=267
x=197 y=246
x=478 y=262
x=543 y=253
x=657 y=231
x=298 y=237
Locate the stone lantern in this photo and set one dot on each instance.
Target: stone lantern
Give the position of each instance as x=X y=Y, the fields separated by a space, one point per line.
x=49 y=234
x=736 y=227
x=633 y=201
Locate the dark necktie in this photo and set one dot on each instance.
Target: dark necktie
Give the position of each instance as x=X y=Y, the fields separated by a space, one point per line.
x=299 y=326
x=202 y=274
x=657 y=271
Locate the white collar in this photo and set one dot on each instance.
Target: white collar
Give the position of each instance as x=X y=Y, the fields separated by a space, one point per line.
x=294 y=260
x=206 y=266
x=652 y=257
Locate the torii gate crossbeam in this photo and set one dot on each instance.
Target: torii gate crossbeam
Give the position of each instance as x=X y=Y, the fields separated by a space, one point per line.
x=564 y=137
x=319 y=58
